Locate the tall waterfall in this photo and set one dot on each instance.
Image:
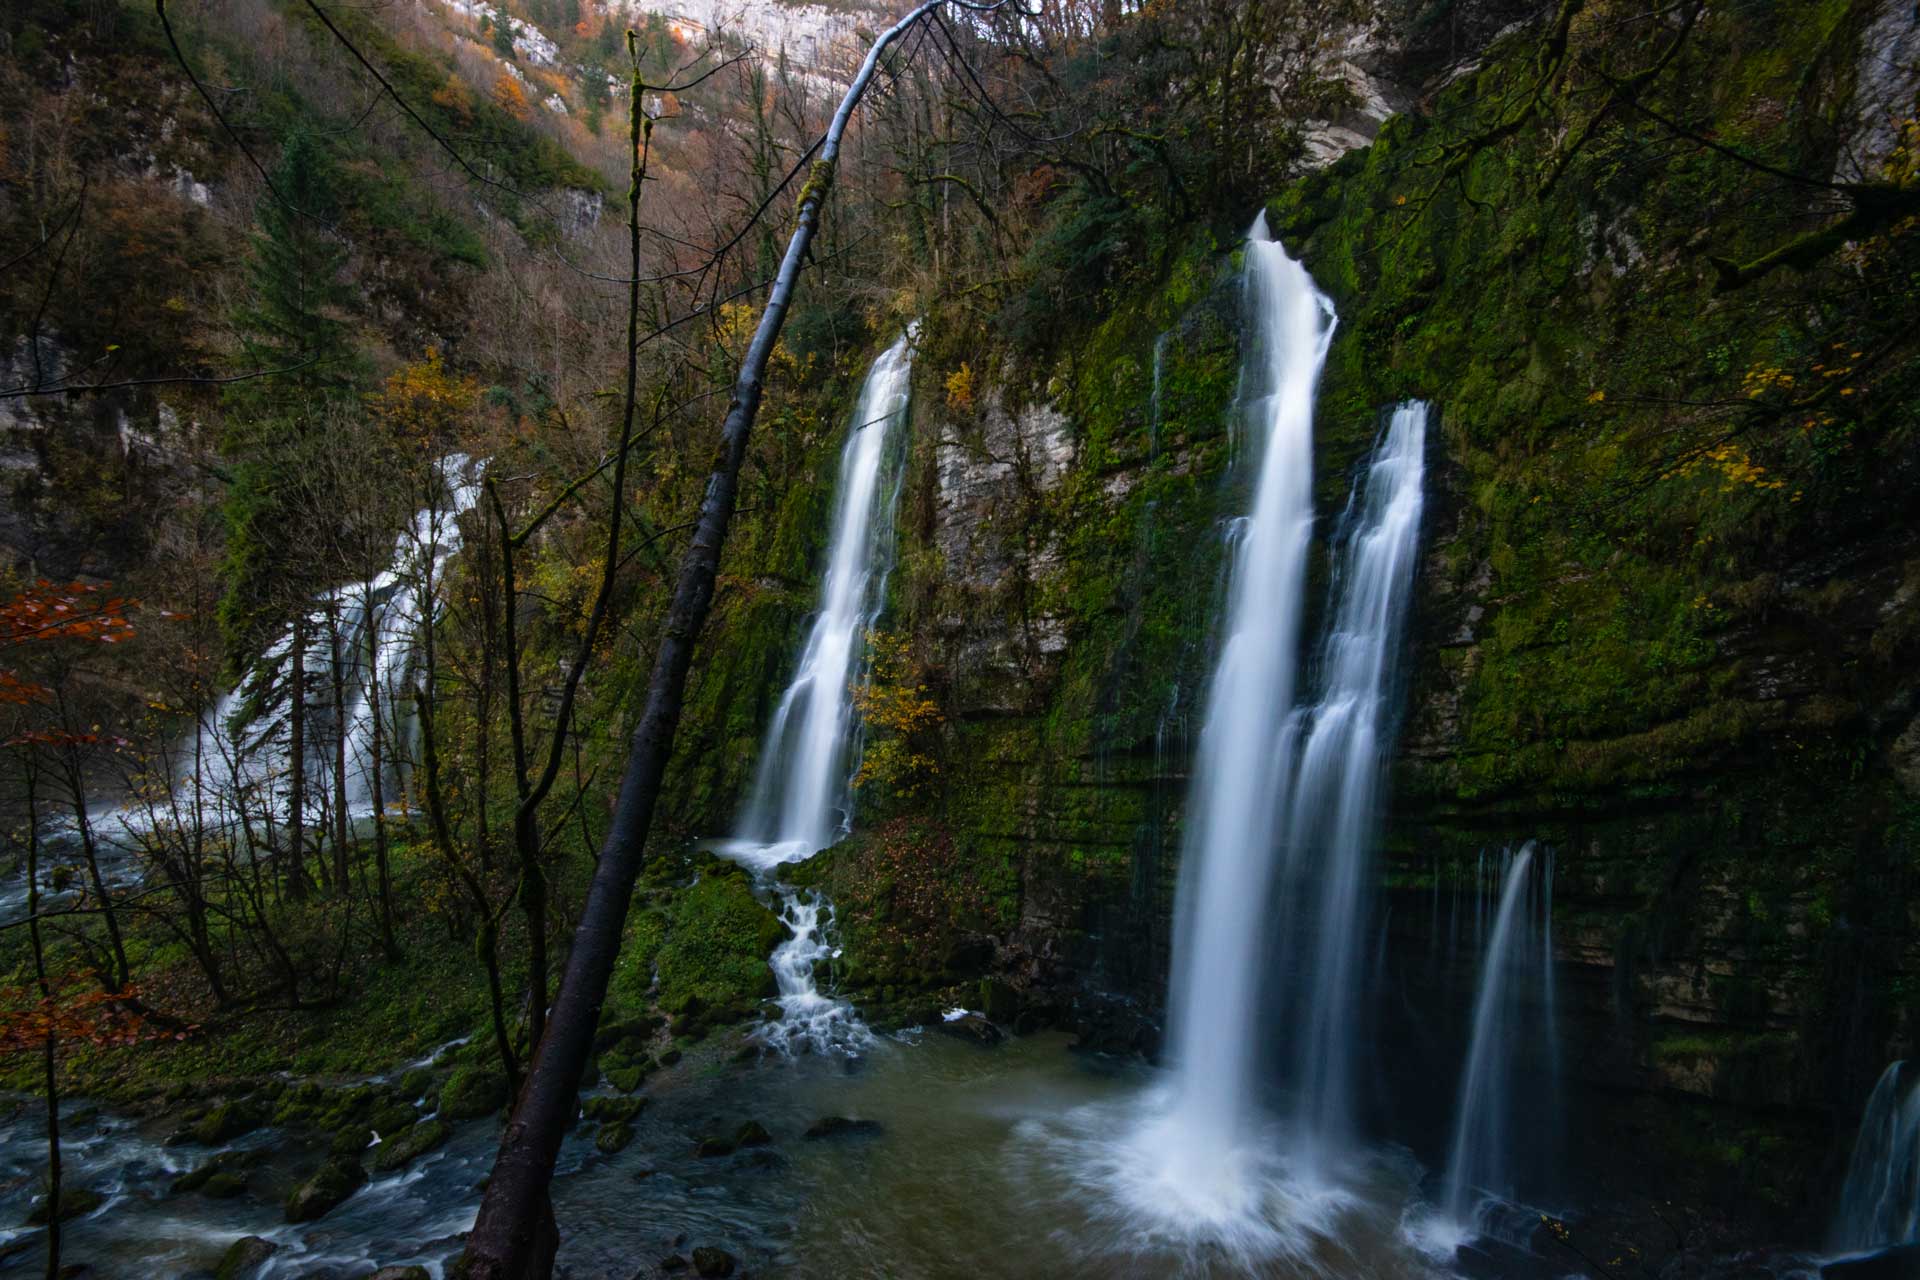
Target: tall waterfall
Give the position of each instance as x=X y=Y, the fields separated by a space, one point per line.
x=1880 y=1201
x=1273 y=895
x=800 y=802
x=801 y=799
x=1244 y=757
x=1332 y=814
x=1513 y=1013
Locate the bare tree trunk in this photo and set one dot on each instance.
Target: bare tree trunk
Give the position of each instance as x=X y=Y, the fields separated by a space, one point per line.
x=514 y=1237
x=376 y=789
x=297 y=758
x=341 y=820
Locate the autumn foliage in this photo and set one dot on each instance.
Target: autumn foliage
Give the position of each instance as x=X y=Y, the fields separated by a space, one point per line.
x=48 y=612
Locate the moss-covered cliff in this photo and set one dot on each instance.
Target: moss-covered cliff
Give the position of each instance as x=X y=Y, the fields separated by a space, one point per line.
x=1668 y=607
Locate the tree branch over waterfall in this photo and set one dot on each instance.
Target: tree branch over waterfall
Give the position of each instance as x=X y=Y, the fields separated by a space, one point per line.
x=514 y=1236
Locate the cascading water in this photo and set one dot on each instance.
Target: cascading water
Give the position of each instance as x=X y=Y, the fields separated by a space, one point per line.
x=1880 y=1201
x=228 y=770
x=1282 y=799
x=801 y=799
x=1245 y=746
x=1513 y=1015
x=231 y=779
x=1332 y=812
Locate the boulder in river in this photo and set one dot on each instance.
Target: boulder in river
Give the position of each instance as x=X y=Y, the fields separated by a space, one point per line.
x=973 y=1028
x=330 y=1185
x=414 y=1272
x=614 y=1136
x=472 y=1092
x=604 y=1108
x=244 y=1258
x=841 y=1127
x=751 y=1134
x=410 y=1144
x=225 y=1121
x=74 y=1201
x=711 y=1263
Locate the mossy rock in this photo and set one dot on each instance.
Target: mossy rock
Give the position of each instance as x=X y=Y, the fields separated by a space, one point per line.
x=417 y=1083
x=299 y=1107
x=472 y=1092
x=752 y=1134
x=74 y=1201
x=351 y=1140
x=203 y=1173
x=244 y=1258
x=627 y=1079
x=331 y=1184
x=391 y=1117
x=718 y=939
x=604 y=1108
x=225 y=1185
x=614 y=1136
x=410 y=1145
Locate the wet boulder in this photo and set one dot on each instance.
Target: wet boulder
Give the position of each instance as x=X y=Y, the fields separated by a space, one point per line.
x=971 y=1027
x=410 y=1144
x=244 y=1258
x=230 y=1163
x=414 y=1272
x=74 y=1201
x=605 y=1109
x=751 y=1134
x=841 y=1127
x=711 y=1263
x=330 y=1186
x=614 y=1136
x=472 y=1092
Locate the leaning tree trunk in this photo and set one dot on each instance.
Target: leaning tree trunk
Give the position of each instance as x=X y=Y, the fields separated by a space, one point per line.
x=514 y=1237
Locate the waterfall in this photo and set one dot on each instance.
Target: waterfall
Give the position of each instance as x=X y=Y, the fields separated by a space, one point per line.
x=801 y=795
x=1513 y=1012
x=1246 y=738
x=1273 y=897
x=1332 y=813
x=227 y=767
x=801 y=800
x=1880 y=1200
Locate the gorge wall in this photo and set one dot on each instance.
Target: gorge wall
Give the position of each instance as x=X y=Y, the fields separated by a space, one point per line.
x=1666 y=623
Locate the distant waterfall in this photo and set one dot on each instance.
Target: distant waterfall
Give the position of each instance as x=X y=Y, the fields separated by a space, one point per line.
x=1880 y=1201
x=233 y=765
x=802 y=792
x=1513 y=1020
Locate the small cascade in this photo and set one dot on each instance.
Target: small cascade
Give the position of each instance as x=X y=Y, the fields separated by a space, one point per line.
x=1512 y=1056
x=809 y=1019
x=802 y=792
x=1880 y=1200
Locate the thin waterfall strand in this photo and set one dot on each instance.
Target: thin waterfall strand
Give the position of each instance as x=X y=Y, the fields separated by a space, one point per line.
x=802 y=794
x=1880 y=1201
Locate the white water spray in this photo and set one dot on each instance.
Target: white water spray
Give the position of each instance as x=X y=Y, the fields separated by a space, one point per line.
x=802 y=792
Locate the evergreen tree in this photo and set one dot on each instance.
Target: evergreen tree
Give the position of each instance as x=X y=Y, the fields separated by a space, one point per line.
x=294 y=318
